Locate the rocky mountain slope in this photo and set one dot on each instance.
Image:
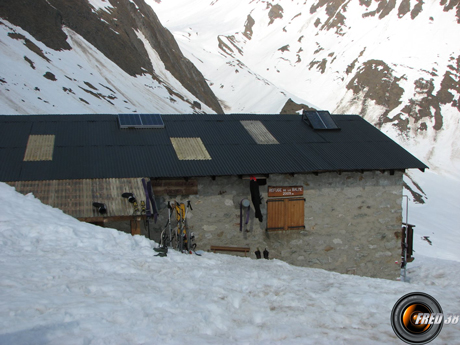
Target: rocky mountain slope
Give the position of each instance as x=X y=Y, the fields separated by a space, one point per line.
x=396 y=62
x=94 y=56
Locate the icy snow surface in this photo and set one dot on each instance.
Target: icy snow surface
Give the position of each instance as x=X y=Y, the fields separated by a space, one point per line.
x=66 y=282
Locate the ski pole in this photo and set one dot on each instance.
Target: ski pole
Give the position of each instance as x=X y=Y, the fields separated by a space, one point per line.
x=169 y=223
x=186 y=229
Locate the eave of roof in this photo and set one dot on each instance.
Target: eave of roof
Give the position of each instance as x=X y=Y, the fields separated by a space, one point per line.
x=93 y=146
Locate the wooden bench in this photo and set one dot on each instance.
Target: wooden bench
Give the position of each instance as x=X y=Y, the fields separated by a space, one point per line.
x=244 y=250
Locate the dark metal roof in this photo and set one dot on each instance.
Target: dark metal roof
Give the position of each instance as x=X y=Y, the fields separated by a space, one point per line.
x=93 y=146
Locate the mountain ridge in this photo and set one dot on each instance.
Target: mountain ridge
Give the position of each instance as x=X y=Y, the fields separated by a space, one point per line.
x=395 y=63
x=114 y=33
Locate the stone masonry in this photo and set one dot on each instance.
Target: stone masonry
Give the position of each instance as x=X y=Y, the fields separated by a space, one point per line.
x=352 y=220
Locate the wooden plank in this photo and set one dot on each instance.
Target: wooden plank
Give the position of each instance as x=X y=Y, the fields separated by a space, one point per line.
x=175 y=187
x=76 y=197
x=110 y=219
x=244 y=250
x=135 y=226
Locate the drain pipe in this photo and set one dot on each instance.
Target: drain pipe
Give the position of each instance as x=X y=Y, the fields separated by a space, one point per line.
x=404 y=244
x=407 y=208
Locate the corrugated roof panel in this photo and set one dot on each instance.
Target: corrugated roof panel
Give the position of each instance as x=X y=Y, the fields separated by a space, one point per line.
x=360 y=154
x=11 y=163
x=93 y=146
x=182 y=128
x=360 y=130
x=190 y=149
x=394 y=156
x=14 y=134
x=39 y=148
x=310 y=159
x=292 y=131
x=164 y=162
x=259 y=132
x=330 y=153
x=282 y=158
x=41 y=170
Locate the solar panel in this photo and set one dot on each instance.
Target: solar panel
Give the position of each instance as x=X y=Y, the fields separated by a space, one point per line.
x=129 y=120
x=327 y=120
x=152 y=121
x=140 y=121
x=320 y=120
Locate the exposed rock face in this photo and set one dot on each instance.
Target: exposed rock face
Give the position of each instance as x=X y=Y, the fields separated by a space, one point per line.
x=38 y=18
x=276 y=12
x=166 y=46
x=292 y=107
x=248 y=27
x=376 y=79
x=113 y=32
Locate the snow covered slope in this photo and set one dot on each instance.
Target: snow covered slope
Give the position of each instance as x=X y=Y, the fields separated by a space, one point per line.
x=94 y=57
x=66 y=282
x=396 y=63
x=78 y=81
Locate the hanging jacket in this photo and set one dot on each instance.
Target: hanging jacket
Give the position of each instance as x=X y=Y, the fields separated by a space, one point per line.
x=255 y=197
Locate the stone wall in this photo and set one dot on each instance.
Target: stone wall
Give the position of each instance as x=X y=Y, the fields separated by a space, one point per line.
x=352 y=221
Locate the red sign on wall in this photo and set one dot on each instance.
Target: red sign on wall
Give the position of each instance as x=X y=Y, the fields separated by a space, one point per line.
x=285 y=191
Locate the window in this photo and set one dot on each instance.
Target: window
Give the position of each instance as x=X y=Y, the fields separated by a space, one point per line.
x=285 y=214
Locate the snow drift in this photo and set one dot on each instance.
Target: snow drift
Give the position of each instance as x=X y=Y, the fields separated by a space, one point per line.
x=66 y=282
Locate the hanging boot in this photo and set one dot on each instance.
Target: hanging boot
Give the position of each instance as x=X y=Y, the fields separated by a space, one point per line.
x=101 y=208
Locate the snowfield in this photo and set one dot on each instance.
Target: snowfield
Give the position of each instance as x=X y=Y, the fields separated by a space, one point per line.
x=82 y=80
x=67 y=282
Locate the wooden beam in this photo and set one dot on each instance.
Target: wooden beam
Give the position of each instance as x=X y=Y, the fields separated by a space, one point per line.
x=259 y=177
x=244 y=250
x=136 y=226
x=110 y=219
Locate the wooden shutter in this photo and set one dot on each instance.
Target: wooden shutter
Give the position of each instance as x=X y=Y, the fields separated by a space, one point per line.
x=275 y=214
x=285 y=214
x=295 y=214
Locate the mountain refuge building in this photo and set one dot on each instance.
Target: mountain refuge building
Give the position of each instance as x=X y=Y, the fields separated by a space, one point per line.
x=315 y=190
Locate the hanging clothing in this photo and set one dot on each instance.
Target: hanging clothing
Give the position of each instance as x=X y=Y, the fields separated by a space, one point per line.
x=255 y=197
